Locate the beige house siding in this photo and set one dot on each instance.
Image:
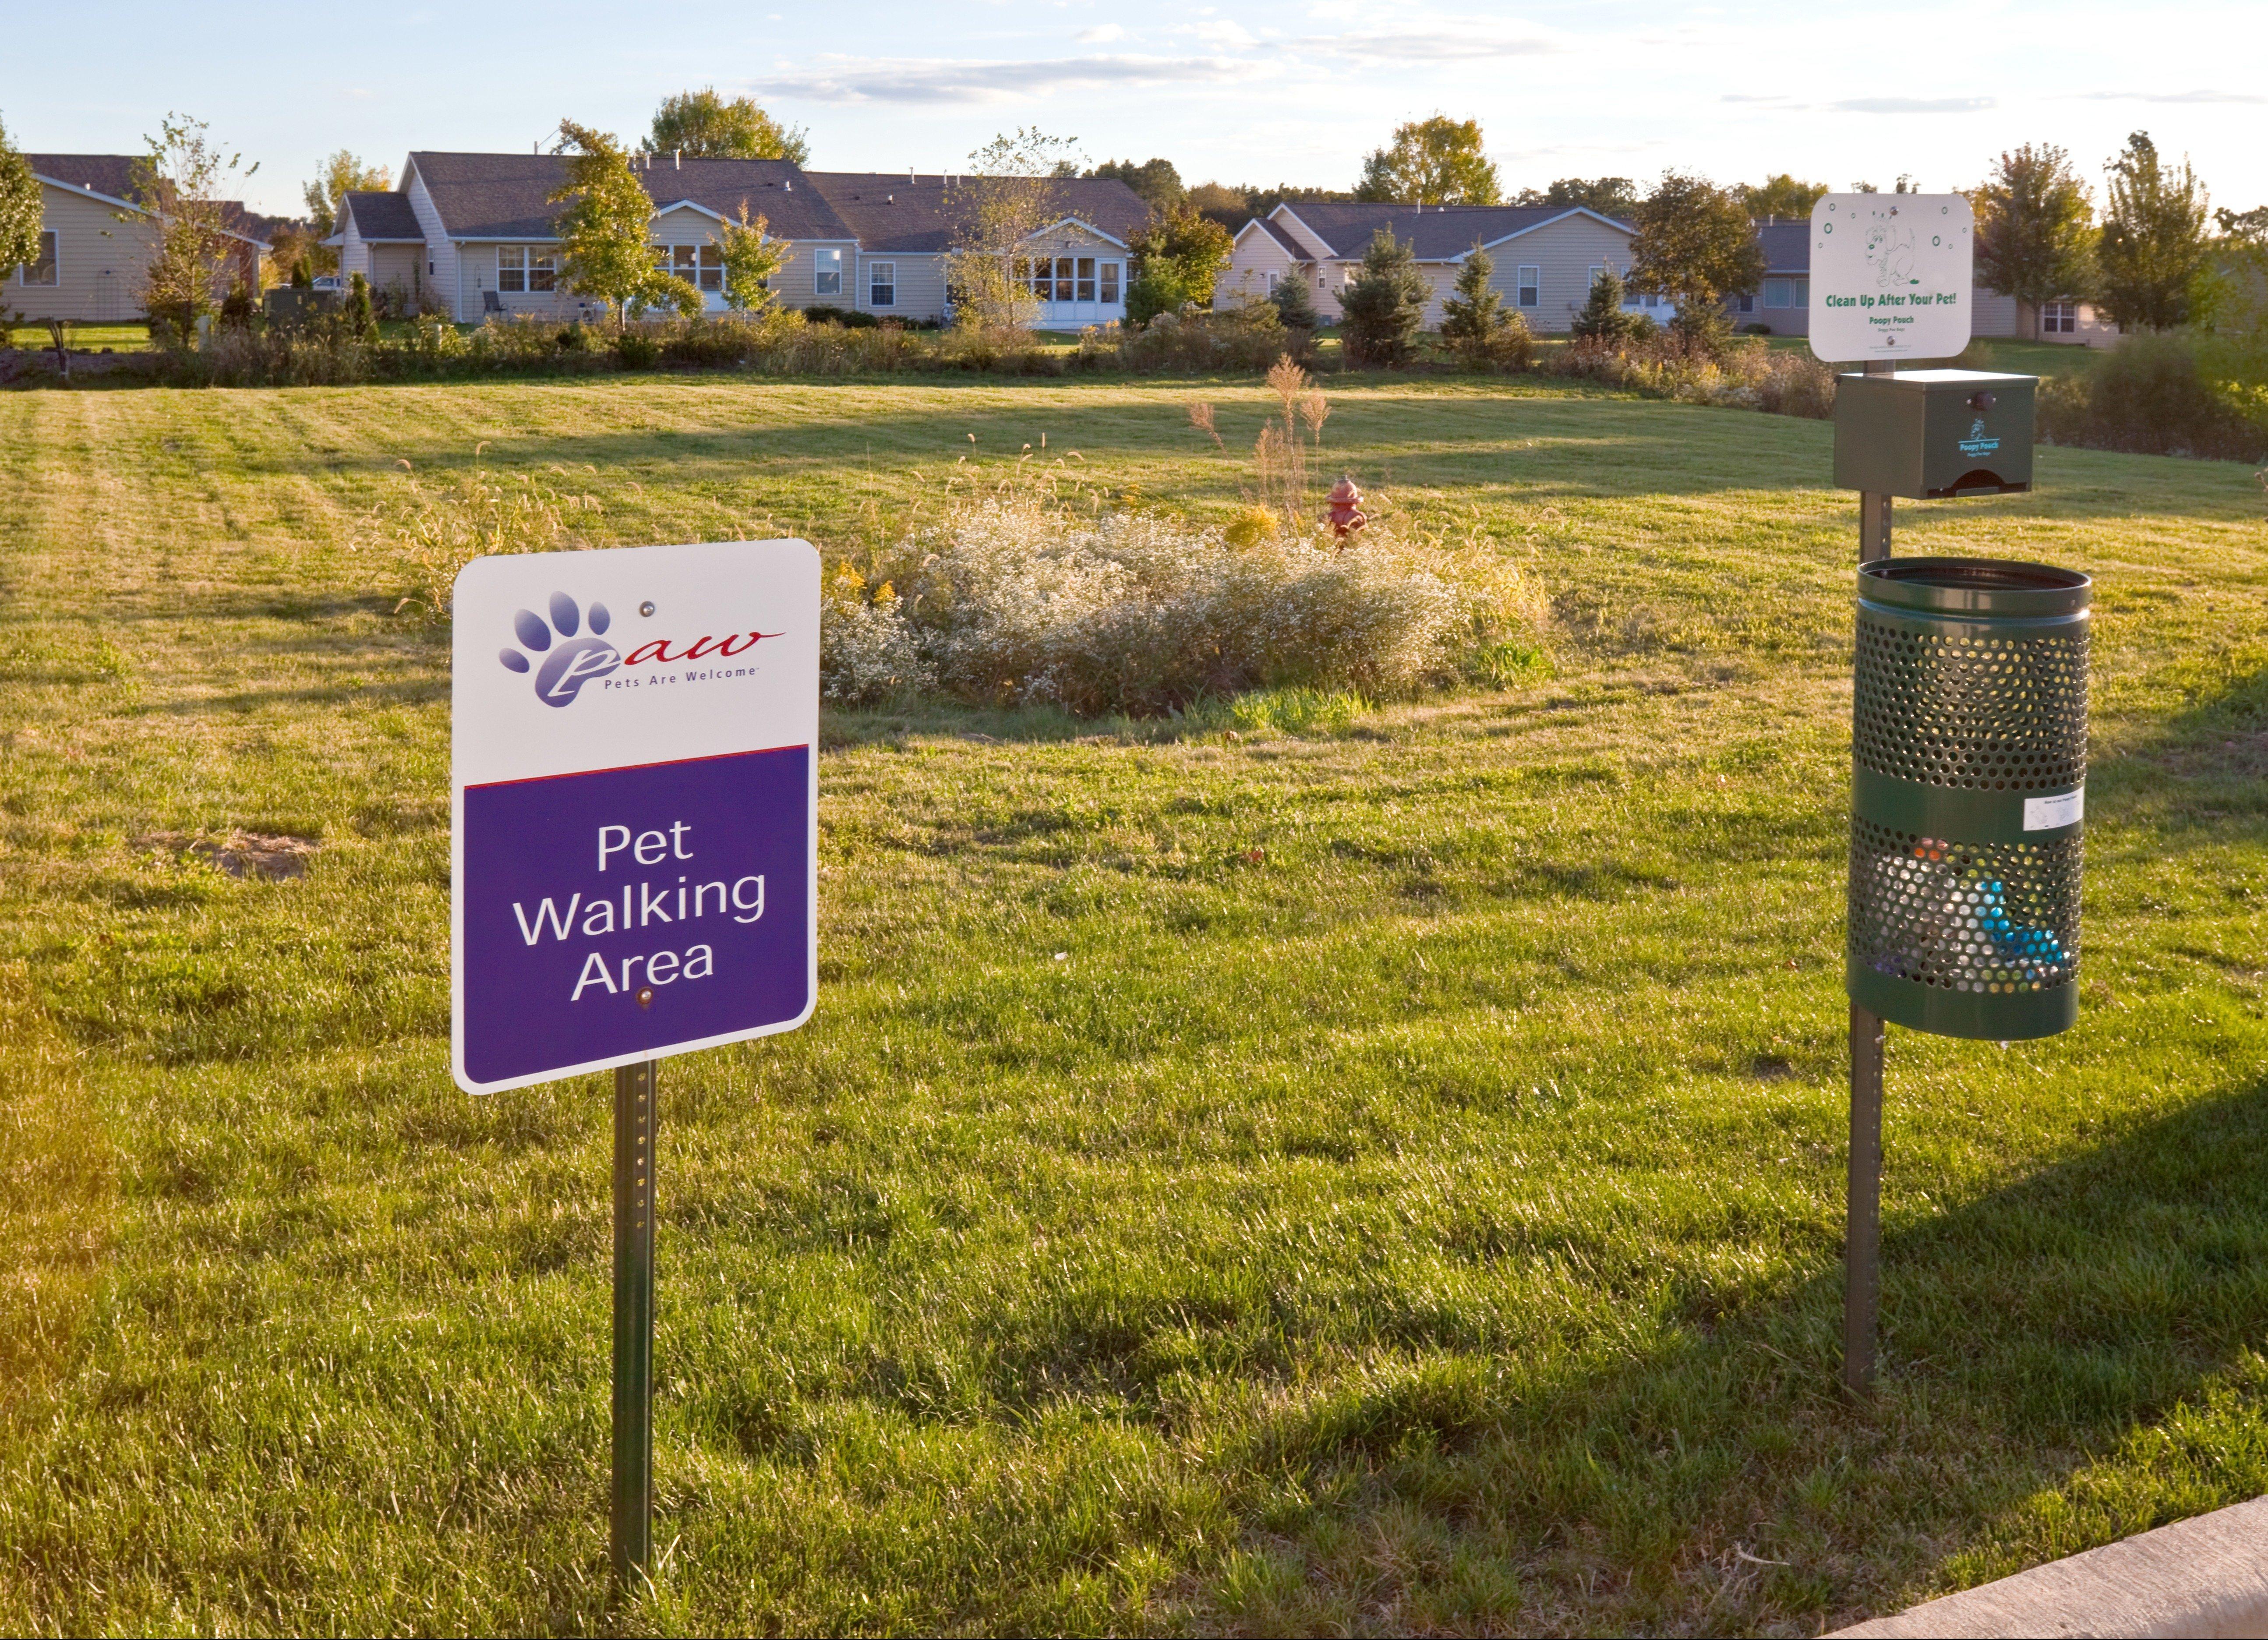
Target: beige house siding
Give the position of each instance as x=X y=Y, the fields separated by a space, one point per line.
x=920 y=279
x=100 y=262
x=1563 y=253
x=1257 y=256
x=353 y=254
x=441 y=271
x=398 y=270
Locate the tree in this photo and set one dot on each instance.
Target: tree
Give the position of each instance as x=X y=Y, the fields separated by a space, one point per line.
x=1008 y=196
x=1696 y=245
x=603 y=233
x=1782 y=195
x=21 y=209
x=1155 y=181
x=341 y=174
x=1198 y=247
x=1609 y=196
x=361 y=319
x=2154 y=254
x=1227 y=206
x=178 y=182
x=1294 y=305
x=702 y=125
x=752 y=257
x=1602 y=317
x=1436 y=161
x=1473 y=320
x=1385 y=305
x=2248 y=227
x=2035 y=228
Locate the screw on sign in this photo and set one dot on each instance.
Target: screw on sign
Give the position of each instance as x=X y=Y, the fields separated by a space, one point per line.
x=634 y=860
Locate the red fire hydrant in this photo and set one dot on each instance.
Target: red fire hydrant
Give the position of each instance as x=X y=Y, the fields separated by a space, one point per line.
x=1347 y=515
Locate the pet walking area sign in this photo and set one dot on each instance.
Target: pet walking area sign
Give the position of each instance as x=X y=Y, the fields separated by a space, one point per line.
x=634 y=860
x=635 y=782
x=1890 y=276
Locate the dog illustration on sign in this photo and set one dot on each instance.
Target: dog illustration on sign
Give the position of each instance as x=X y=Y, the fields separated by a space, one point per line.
x=1890 y=254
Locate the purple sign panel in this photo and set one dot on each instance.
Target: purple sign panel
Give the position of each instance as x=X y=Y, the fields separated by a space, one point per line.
x=614 y=912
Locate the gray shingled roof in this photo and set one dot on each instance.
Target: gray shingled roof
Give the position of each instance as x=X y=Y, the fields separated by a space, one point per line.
x=381 y=216
x=1283 y=237
x=1787 y=247
x=893 y=210
x=508 y=196
x=1438 y=233
x=112 y=175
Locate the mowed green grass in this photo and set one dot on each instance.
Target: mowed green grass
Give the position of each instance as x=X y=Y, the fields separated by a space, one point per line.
x=1389 y=1181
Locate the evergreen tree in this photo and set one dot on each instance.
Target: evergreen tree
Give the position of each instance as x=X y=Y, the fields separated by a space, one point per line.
x=1293 y=304
x=1473 y=321
x=1385 y=307
x=1602 y=319
x=360 y=318
x=2155 y=255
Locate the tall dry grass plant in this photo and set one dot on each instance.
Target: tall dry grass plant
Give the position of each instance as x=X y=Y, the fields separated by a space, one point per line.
x=1747 y=375
x=430 y=526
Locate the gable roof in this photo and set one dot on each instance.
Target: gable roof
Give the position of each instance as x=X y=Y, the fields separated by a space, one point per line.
x=893 y=211
x=1280 y=234
x=380 y=217
x=508 y=196
x=110 y=178
x=1787 y=247
x=1437 y=233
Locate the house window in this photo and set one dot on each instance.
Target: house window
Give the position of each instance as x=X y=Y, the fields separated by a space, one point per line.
x=2059 y=318
x=43 y=270
x=1801 y=293
x=827 y=274
x=882 y=284
x=1745 y=302
x=1086 y=278
x=1776 y=292
x=1531 y=280
x=1598 y=272
x=700 y=266
x=512 y=267
x=1109 y=288
x=542 y=269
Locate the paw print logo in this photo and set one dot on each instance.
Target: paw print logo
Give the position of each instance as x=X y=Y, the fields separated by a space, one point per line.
x=574 y=661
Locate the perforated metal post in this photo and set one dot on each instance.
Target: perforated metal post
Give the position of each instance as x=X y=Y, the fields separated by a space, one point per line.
x=632 y=1515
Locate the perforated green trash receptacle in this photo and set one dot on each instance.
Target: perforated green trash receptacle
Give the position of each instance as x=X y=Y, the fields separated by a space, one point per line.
x=1969 y=746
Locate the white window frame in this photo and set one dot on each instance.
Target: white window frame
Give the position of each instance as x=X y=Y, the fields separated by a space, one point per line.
x=1528 y=290
x=50 y=257
x=543 y=265
x=1598 y=272
x=511 y=270
x=2058 y=319
x=881 y=284
x=1110 y=284
x=825 y=265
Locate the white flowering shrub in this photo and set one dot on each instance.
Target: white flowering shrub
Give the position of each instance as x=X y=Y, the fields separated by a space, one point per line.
x=1013 y=600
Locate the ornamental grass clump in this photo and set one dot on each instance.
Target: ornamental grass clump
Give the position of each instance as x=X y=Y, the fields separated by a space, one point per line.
x=429 y=527
x=1016 y=599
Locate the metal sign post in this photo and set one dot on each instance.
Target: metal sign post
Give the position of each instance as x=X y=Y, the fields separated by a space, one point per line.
x=634 y=863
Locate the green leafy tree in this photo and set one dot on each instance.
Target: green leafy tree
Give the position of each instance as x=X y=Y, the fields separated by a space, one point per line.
x=604 y=231
x=1008 y=195
x=1609 y=196
x=2155 y=255
x=20 y=207
x=1385 y=305
x=180 y=181
x=1696 y=245
x=1473 y=320
x=2248 y=227
x=2035 y=228
x=342 y=174
x=1196 y=247
x=1436 y=161
x=1782 y=195
x=702 y=125
x=1156 y=182
x=1602 y=317
x=753 y=258
x=1295 y=305
x=1227 y=206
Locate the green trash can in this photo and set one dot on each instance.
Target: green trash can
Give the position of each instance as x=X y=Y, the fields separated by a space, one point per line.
x=1969 y=753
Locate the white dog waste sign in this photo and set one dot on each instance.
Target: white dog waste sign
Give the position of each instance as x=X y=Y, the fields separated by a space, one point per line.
x=635 y=782
x=635 y=865
x=1890 y=276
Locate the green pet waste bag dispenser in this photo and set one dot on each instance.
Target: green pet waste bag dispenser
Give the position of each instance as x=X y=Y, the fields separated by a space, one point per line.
x=1969 y=750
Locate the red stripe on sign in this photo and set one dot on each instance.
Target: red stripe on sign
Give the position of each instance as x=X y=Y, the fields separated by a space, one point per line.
x=792 y=746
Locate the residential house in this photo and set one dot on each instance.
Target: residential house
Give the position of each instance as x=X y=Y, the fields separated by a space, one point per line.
x=476 y=234
x=1546 y=256
x=96 y=243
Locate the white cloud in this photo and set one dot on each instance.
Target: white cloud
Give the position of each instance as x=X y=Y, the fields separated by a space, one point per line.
x=1100 y=34
x=1913 y=105
x=2188 y=96
x=1448 y=40
x=884 y=79
x=1229 y=35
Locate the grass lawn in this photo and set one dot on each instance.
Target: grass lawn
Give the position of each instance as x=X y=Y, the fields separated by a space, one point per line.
x=1385 y=1181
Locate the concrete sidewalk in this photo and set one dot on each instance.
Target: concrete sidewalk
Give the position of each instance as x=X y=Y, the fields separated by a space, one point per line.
x=2203 y=1576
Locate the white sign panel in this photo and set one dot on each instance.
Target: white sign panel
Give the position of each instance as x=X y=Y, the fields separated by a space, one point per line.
x=1890 y=276
x=634 y=866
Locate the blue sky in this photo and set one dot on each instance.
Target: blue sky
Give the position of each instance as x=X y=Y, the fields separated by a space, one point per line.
x=1293 y=91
